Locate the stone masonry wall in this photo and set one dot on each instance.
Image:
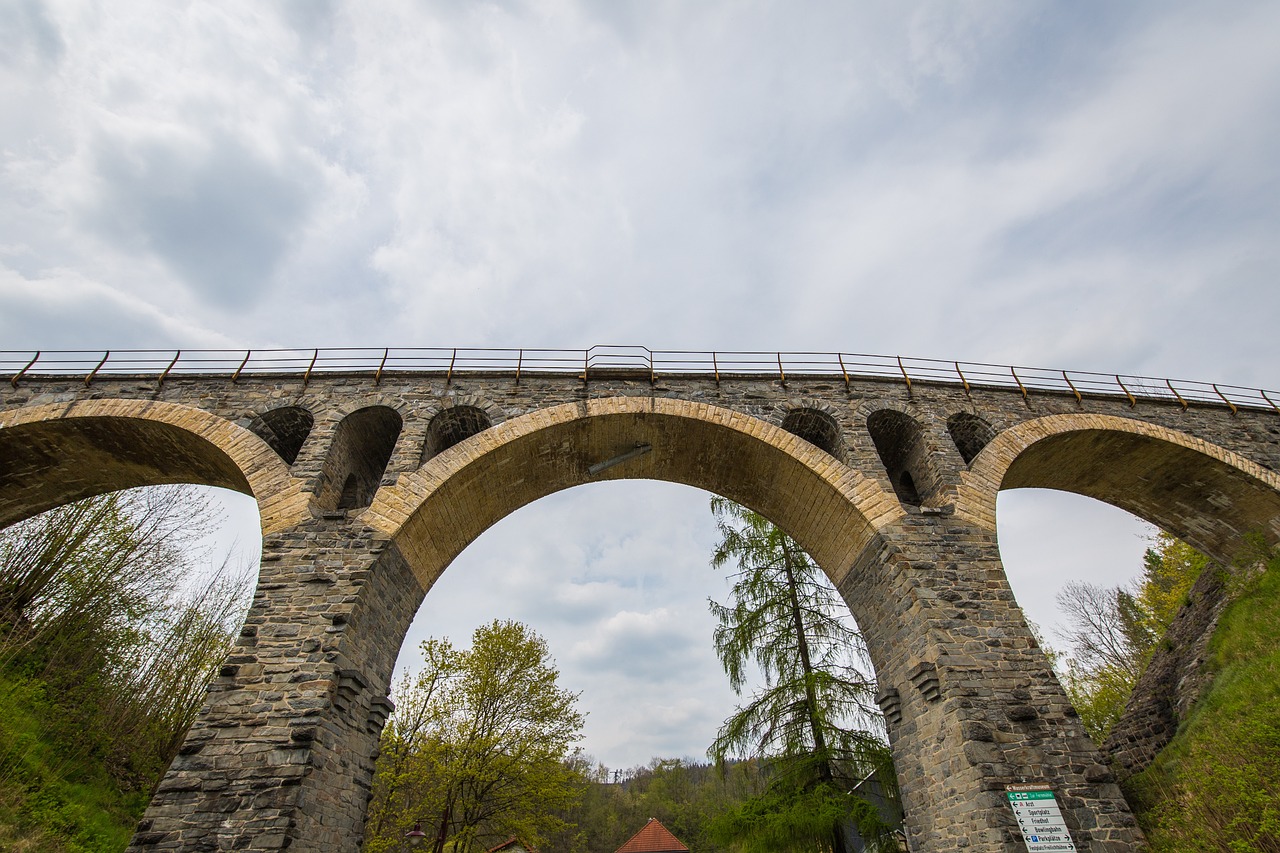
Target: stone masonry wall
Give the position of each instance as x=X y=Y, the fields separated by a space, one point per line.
x=283 y=752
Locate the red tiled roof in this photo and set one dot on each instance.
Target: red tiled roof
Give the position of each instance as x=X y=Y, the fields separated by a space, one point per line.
x=653 y=838
x=511 y=842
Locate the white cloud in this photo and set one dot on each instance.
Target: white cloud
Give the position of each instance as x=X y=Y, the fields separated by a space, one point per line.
x=1088 y=186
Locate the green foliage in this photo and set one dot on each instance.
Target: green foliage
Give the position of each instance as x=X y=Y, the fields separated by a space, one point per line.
x=478 y=746
x=104 y=658
x=1113 y=632
x=1216 y=786
x=51 y=798
x=686 y=796
x=786 y=815
x=815 y=719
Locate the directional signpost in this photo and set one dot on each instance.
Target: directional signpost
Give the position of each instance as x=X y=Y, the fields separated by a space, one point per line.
x=1043 y=828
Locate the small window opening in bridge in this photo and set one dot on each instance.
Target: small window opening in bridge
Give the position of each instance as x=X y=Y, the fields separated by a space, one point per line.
x=452 y=426
x=351 y=497
x=899 y=439
x=361 y=449
x=970 y=433
x=285 y=430
x=907 y=489
x=816 y=427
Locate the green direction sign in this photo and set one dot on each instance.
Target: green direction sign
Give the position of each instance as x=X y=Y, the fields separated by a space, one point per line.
x=1039 y=818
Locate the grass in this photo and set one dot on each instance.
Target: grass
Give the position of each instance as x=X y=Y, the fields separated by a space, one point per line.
x=53 y=798
x=1216 y=786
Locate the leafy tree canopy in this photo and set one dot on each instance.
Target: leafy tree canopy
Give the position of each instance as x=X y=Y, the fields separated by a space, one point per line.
x=479 y=746
x=1112 y=632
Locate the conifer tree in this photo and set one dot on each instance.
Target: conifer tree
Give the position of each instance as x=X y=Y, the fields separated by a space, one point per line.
x=814 y=719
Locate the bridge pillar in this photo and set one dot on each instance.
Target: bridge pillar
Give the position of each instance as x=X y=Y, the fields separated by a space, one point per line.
x=282 y=754
x=971 y=700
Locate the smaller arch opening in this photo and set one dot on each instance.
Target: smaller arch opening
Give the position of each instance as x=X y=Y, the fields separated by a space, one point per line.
x=285 y=430
x=816 y=427
x=350 y=498
x=970 y=434
x=907 y=488
x=452 y=426
x=362 y=447
x=899 y=439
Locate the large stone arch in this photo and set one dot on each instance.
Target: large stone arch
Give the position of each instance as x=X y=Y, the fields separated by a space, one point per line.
x=54 y=454
x=1206 y=495
x=432 y=514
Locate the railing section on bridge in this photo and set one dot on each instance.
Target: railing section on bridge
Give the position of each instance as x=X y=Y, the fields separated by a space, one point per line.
x=601 y=361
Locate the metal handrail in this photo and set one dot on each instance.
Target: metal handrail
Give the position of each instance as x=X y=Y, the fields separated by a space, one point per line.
x=606 y=360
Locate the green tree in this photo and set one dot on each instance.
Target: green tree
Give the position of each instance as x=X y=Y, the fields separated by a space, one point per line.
x=107 y=645
x=479 y=746
x=814 y=719
x=1112 y=632
x=685 y=795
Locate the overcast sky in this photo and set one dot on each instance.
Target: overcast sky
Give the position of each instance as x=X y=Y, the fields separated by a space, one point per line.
x=1091 y=186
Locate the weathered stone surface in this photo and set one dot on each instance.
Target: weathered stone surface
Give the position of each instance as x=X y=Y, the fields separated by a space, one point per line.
x=1176 y=675
x=368 y=490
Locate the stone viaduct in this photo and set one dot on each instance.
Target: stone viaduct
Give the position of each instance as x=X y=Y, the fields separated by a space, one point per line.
x=370 y=482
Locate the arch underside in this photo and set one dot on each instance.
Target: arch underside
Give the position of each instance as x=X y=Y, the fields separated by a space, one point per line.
x=828 y=508
x=51 y=463
x=57 y=454
x=1205 y=501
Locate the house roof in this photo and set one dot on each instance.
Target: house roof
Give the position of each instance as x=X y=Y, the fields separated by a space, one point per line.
x=510 y=844
x=653 y=837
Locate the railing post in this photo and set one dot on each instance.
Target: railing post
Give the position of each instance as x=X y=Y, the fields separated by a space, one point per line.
x=235 y=376
x=94 y=372
x=1071 y=385
x=1025 y=397
x=165 y=373
x=1132 y=402
x=14 y=380
x=1232 y=405
x=306 y=377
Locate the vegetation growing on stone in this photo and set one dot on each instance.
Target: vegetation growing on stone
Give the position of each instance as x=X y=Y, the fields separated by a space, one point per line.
x=1216 y=786
x=1113 y=632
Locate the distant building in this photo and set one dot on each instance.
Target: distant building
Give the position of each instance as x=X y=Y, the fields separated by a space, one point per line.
x=513 y=845
x=653 y=838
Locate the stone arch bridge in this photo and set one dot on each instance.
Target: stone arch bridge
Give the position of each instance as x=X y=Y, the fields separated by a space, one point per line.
x=372 y=471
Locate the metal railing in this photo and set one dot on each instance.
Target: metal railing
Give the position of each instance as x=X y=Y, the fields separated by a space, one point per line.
x=602 y=361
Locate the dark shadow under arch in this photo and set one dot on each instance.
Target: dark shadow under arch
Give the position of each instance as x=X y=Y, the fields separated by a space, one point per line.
x=45 y=464
x=899 y=439
x=970 y=434
x=452 y=425
x=361 y=448
x=816 y=427
x=284 y=429
x=1206 y=501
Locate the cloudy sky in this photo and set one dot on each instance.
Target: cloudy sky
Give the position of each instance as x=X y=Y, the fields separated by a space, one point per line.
x=1090 y=185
